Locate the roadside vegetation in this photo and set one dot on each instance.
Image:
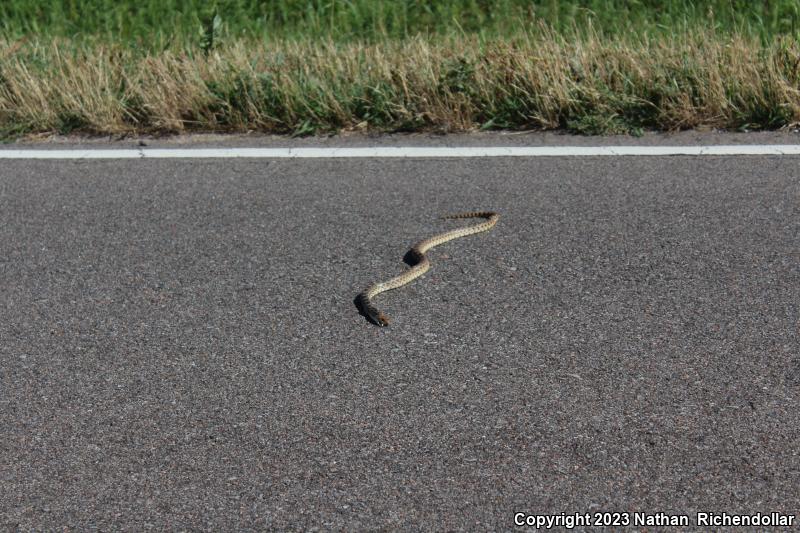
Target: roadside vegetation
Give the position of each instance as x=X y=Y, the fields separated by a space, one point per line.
x=310 y=67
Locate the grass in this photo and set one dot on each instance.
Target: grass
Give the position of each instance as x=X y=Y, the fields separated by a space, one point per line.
x=591 y=67
x=159 y=24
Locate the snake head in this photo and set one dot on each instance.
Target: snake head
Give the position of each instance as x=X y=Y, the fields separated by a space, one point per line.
x=378 y=318
x=370 y=311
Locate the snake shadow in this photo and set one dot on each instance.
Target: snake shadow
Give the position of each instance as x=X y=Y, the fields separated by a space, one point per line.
x=411 y=258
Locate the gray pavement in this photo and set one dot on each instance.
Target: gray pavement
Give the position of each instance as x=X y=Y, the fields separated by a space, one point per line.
x=179 y=347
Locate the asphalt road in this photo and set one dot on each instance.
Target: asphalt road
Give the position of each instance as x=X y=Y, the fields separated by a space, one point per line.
x=179 y=348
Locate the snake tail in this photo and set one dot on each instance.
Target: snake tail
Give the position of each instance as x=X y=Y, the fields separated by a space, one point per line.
x=491 y=215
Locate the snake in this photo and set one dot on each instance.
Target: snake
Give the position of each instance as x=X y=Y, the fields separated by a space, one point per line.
x=420 y=263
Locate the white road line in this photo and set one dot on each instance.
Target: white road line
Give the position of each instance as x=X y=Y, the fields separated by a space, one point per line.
x=396 y=151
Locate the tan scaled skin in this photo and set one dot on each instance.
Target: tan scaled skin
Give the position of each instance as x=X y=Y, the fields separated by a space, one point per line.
x=421 y=265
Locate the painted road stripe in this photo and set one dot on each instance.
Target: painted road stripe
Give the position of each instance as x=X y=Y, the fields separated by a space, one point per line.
x=396 y=152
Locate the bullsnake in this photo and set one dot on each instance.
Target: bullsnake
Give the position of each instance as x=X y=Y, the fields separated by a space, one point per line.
x=420 y=263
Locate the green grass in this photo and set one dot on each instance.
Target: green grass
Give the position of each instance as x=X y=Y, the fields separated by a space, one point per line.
x=311 y=66
x=157 y=24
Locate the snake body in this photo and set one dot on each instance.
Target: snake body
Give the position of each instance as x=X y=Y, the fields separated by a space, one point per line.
x=421 y=264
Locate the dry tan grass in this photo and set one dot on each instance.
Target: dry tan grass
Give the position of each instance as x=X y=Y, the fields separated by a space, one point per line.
x=590 y=85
